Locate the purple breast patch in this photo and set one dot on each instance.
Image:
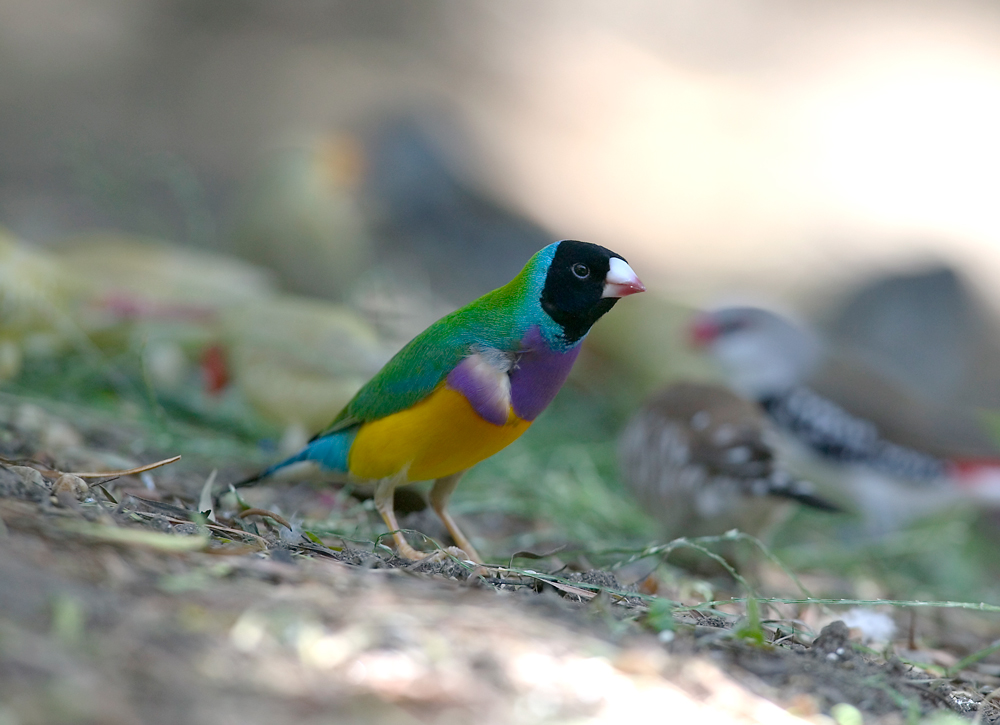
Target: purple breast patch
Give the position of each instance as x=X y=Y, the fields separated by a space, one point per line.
x=538 y=374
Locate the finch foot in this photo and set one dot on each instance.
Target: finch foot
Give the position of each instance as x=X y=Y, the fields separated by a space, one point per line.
x=438 y=556
x=439 y=496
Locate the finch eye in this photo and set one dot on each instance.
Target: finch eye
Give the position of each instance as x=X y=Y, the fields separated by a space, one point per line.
x=581 y=271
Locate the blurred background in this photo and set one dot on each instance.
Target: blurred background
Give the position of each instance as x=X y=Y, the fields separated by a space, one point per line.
x=226 y=216
x=768 y=145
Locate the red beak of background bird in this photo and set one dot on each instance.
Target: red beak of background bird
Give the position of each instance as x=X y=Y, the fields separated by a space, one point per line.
x=621 y=281
x=702 y=331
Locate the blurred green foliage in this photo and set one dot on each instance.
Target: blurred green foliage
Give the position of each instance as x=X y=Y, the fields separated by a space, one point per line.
x=115 y=387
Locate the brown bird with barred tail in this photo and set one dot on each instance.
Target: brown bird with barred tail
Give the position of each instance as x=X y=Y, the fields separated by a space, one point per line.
x=698 y=459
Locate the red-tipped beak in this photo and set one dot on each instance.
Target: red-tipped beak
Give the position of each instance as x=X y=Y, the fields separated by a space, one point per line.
x=621 y=281
x=702 y=331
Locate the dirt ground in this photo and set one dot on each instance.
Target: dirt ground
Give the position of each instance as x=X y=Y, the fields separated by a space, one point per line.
x=120 y=604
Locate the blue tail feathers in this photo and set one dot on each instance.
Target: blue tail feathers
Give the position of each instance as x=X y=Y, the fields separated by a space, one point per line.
x=330 y=452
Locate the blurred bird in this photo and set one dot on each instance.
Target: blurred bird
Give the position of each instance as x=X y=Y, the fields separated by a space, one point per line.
x=774 y=361
x=299 y=216
x=424 y=216
x=471 y=383
x=698 y=458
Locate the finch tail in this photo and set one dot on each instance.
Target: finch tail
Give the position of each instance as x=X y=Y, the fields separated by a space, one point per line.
x=330 y=452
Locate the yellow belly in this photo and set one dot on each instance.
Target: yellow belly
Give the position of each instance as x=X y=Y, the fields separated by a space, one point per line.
x=438 y=436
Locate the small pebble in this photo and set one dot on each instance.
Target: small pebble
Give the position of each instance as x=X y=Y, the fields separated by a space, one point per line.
x=869 y=626
x=69 y=484
x=845 y=714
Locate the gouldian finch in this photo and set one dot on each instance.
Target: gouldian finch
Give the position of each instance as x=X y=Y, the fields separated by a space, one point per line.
x=471 y=383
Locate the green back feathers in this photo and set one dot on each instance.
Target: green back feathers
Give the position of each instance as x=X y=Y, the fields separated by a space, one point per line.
x=498 y=319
